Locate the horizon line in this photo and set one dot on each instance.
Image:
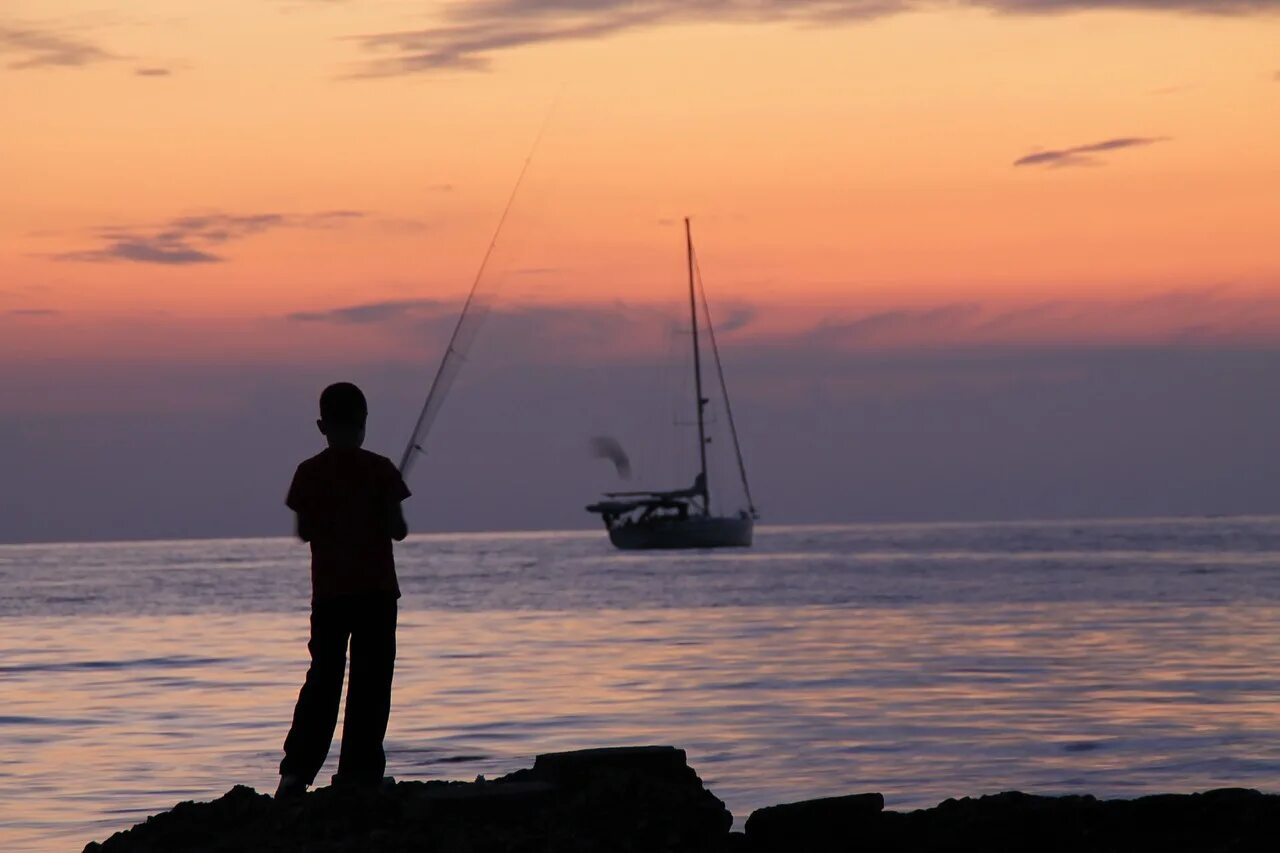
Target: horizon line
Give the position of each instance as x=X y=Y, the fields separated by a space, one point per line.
x=583 y=531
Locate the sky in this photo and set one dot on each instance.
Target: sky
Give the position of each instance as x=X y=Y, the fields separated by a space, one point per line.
x=968 y=259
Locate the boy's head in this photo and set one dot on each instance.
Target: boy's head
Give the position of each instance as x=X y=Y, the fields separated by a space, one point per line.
x=343 y=412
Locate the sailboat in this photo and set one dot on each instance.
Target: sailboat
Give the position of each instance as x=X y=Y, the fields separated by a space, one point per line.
x=682 y=518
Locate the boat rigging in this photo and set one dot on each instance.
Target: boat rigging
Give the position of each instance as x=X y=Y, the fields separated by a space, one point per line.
x=682 y=518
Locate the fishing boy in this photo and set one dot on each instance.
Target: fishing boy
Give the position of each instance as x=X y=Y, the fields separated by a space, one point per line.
x=347 y=501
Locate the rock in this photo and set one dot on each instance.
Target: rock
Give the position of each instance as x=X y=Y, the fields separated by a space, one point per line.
x=651 y=760
x=631 y=799
x=646 y=797
x=1226 y=821
x=837 y=820
x=241 y=806
x=648 y=800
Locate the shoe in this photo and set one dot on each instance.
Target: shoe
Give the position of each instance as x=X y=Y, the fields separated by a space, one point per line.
x=290 y=786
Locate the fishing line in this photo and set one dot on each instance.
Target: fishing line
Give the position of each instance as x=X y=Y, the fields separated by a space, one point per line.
x=473 y=313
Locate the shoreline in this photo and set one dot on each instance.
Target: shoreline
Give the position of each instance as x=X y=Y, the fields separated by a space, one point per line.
x=647 y=798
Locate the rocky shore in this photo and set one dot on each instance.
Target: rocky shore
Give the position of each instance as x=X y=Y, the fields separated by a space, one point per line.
x=649 y=799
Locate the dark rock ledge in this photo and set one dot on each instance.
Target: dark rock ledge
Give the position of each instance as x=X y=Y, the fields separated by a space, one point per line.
x=649 y=799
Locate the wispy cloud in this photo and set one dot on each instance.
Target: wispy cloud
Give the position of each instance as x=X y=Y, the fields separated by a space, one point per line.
x=735 y=318
x=27 y=47
x=514 y=331
x=732 y=317
x=470 y=34
x=152 y=72
x=884 y=326
x=1181 y=317
x=1080 y=155
x=1199 y=7
x=376 y=312
x=541 y=332
x=191 y=239
x=32 y=312
x=144 y=250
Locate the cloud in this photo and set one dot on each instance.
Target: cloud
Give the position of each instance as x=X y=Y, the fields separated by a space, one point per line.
x=734 y=318
x=885 y=326
x=189 y=239
x=1210 y=315
x=144 y=251
x=510 y=331
x=32 y=312
x=1079 y=154
x=29 y=47
x=412 y=313
x=612 y=333
x=1199 y=7
x=472 y=32
x=376 y=312
x=152 y=72
x=469 y=34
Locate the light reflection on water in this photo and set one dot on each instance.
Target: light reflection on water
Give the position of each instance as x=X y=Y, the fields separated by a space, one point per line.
x=920 y=662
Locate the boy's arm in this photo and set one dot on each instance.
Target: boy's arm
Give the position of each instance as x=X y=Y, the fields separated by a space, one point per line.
x=396 y=492
x=397 y=526
x=296 y=500
x=303 y=527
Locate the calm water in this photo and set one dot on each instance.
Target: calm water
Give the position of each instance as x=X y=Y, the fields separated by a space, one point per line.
x=923 y=661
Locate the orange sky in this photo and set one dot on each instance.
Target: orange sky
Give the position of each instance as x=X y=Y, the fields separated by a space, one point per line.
x=847 y=166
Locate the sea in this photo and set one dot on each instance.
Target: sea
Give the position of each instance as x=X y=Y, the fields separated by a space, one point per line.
x=924 y=661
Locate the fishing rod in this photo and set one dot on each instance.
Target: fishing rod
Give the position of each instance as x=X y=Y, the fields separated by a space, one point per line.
x=469 y=321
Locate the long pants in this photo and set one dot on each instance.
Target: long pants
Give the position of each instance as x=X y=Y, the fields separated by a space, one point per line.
x=369 y=622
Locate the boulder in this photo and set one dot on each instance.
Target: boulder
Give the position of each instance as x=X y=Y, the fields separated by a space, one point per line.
x=630 y=799
x=830 y=820
x=647 y=797
x=1225 y=821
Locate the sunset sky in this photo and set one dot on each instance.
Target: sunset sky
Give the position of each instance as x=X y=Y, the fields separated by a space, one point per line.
x=972 y=258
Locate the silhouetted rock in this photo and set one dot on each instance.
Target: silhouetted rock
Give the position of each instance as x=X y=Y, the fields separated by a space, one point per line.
x=648 y=799
x=648 y=795
x=625 y=799
x=1222 y=821
x=813 y=821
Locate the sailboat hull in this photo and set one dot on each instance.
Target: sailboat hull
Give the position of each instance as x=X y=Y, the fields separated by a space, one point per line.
x=692 y=532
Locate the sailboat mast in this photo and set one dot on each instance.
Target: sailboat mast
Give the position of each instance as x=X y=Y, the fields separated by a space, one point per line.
x=697 y=373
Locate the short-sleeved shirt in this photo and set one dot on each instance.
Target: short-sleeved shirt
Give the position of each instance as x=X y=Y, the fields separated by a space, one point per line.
x=346 y=496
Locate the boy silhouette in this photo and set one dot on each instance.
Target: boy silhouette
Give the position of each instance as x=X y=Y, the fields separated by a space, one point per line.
x=347 y=502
